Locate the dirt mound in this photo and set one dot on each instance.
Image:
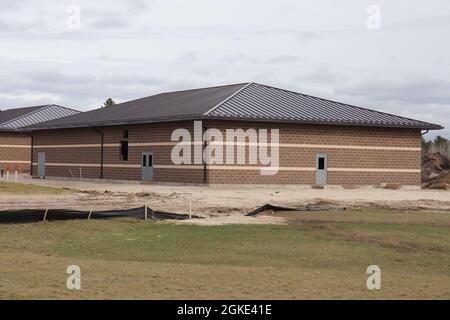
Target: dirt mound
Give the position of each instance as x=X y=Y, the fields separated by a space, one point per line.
x=441 y=182
x=435 y=171
x=433 y=165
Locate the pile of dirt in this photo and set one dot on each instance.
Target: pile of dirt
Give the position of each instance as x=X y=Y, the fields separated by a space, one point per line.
x=435 y=171
x=441 y=182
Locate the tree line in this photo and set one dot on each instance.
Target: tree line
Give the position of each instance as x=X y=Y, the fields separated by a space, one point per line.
x=439 y=144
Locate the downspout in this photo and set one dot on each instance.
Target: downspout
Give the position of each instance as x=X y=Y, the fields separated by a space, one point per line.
x=31 y=159
x=101 y=155
x=422 y=134
x=101 y=151
x=203 y=150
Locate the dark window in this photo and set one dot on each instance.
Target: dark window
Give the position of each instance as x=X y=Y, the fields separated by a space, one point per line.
x=144 y=160
x=150 y=160
x=124 y=150
x=124 y=146
x=321 y=163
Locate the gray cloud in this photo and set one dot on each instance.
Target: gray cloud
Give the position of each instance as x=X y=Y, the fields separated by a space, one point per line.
x=130 y=49
x=189 y=57
x=53 y=86
x=283 y=59
x=411 y=90
x=4 y=26
x=308 y=36
x=109 y=23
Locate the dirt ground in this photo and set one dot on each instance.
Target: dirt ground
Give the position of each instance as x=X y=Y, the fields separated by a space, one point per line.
x=221 y=204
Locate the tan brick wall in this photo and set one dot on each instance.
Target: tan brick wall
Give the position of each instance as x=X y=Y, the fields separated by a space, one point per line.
x=15 y=150
x=149 y=133
x=290 y=157
x=337 y=158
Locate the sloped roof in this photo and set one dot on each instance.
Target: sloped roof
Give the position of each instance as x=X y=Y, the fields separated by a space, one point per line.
x=13 y=119
x=161 y=107
x=10 y=114
x=245 y=101
x=261 y=102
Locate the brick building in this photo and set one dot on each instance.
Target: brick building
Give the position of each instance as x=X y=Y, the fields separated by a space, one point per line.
x=15 y=143
x=319 y=141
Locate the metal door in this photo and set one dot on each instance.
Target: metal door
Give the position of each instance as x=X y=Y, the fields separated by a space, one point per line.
x=41 y=164
x=321 y=169
x=147 y=166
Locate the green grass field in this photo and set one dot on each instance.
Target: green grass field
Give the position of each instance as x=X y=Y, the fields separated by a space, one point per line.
x=315 y=256
x=20 y=188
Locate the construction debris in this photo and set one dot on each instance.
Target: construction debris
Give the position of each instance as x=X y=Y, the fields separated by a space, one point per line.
x=441 y=182
x=435 y=171
x=269 y=207
x=393 y=186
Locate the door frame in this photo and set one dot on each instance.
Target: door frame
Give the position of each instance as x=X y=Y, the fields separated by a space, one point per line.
x=321 y=173
x=147 y=167
x=41 y=164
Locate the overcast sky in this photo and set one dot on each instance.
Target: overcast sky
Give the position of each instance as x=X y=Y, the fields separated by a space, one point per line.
x=136 y=48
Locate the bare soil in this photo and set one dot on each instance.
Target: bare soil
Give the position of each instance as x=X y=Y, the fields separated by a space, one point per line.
x=221 y=205
x=435 y=171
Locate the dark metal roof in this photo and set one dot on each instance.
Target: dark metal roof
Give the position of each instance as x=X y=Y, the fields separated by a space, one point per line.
x=13 y=119
x=261 y=102
x=10 y=114
x=165 y=106
x=247 y=101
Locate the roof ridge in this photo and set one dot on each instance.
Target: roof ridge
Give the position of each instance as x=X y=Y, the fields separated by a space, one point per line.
x=38 y=108
x=64 y=107
x=228 y=98
x=177 y=91
x=18 y=108
x=342 y=103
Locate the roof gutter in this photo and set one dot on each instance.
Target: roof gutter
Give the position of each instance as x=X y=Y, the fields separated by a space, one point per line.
x=426 y=126
x=204 y=145
x=119 y=123
x=32 y=151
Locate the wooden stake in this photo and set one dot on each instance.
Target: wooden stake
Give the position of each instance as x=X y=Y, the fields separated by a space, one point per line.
x=190 y=210
x=45 y=214
x=145 y=211
x=90 y=213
